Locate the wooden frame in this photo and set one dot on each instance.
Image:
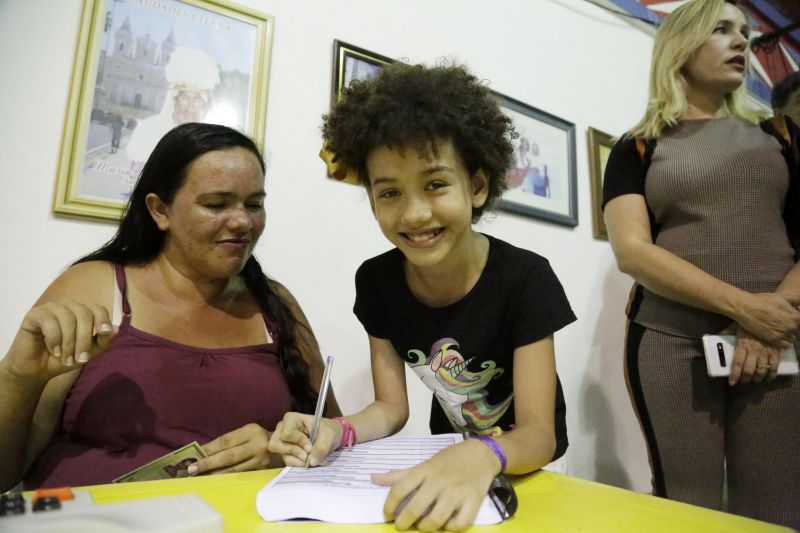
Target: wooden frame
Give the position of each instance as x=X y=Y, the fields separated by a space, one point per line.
x=140 y=69
x=600 y=145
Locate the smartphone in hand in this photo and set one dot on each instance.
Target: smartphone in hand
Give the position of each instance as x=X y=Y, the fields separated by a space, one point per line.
x=719 y=351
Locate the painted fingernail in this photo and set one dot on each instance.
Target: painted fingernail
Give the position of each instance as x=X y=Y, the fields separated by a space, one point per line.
x=57 y=351
x=69 y=361
x=192 y=470
x=83 y=357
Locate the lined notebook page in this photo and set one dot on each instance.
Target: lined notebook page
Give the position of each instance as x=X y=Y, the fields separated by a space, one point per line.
x=341 y=492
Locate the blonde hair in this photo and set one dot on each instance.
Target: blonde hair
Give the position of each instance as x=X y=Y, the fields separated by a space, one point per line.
x=682 y=33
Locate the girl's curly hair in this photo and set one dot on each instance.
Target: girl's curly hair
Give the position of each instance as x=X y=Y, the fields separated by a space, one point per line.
x=413 y=106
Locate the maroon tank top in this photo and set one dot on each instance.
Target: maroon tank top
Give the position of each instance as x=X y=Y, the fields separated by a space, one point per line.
x=146 y=396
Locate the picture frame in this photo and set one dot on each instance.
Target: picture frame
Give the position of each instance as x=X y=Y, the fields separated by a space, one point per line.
x=141 y=68
x=542 y=182
x=600 y=145
x=352 y=62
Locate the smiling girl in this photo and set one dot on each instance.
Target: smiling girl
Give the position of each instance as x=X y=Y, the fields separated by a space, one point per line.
x=471 y=315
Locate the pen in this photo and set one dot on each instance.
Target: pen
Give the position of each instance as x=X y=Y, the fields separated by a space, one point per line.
x=323 y=392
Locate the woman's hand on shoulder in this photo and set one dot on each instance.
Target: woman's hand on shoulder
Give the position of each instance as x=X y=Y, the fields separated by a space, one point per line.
x=57 y=337
x=243 y=449
x=444 y=492
x=291 y=440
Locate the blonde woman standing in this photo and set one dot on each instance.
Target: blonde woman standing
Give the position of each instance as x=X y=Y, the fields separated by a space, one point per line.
x=702 y=210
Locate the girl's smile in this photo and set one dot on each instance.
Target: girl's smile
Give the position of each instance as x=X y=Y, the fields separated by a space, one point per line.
x=423 y=238
x=424 y=202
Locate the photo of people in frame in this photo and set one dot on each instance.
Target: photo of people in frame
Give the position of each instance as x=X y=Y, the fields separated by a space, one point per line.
x=541 y=180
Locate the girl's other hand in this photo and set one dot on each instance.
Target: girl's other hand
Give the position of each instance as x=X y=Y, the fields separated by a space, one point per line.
x=445 y=491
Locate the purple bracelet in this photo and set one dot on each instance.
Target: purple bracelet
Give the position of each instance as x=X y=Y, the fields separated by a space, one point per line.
x=496 y=449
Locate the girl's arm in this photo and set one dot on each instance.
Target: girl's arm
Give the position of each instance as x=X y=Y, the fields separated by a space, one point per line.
x=384 y=416
x=447 y=490
x=532 y=442
x=768 y=316
x=389 y=412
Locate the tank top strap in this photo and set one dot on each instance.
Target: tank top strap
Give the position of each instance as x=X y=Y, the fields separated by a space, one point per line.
x=122 y=285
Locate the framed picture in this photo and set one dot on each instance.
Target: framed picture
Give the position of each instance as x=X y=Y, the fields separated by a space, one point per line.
x=600 y=145
x=143 y=67
x=542 y=182
x=349 y=63
x=353 y=63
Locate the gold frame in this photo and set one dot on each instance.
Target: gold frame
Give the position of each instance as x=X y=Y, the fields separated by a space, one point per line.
x=600 y=144
x=66 y=198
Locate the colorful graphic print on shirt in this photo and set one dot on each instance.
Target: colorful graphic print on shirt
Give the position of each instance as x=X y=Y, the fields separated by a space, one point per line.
x=461 y=393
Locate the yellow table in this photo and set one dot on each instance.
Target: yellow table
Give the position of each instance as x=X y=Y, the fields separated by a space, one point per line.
x=547 y=502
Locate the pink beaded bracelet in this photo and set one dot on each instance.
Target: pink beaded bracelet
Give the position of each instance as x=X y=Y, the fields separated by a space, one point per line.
x=496 y=449
x=348 y=433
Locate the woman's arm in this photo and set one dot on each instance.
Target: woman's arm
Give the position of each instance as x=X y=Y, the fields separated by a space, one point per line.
x=769 y=316
x=44 y=360
x=308 y=346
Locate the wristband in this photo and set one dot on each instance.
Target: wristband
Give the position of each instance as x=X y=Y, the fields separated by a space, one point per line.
x=496 y=449
x=348 y=434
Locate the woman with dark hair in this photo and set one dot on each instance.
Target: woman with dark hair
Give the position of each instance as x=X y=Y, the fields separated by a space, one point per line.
x=168 y=334
x=701 y=205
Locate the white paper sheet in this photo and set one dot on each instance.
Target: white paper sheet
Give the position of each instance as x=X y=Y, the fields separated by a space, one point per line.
x=342 y=492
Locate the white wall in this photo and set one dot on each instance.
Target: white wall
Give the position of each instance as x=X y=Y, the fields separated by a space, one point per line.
x=567 y=57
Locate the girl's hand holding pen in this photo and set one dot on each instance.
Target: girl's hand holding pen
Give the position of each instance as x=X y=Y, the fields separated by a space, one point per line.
x=291 y=440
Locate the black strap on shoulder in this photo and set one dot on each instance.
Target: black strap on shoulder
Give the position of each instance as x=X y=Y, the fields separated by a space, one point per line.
x=645 y=148
x=779 y=123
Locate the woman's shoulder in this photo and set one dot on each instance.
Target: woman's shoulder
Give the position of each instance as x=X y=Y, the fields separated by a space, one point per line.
x=282 y=291
x=87 y=282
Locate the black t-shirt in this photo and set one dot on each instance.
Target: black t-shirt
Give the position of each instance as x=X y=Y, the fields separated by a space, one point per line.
x=464 y=351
